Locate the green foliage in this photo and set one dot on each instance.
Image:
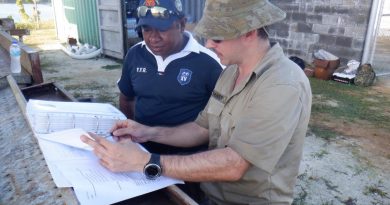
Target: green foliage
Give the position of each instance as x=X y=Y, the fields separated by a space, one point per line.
x=22 y=12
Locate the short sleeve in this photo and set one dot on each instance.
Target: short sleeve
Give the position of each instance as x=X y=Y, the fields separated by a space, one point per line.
x=266 y=127
x=124 y=82
x=202 y=120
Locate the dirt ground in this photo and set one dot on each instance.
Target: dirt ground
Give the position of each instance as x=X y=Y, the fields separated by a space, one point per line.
x=353 y=168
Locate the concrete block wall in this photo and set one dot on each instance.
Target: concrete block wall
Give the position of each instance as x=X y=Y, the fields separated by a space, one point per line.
x=338 y=26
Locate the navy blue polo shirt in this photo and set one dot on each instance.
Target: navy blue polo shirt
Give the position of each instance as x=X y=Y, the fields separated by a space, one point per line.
x=172 y=91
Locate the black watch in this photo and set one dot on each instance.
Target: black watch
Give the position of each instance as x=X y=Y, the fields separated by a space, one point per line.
x=153 y=169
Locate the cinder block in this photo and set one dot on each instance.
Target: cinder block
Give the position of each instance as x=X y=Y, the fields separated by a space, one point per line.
x=336 y=30
x=344 y=41
x=328 y=40
x=321 y=29
x=304 y=27
x=300 y=17
x=314 y=18
x=322 y=9
x=358 y=44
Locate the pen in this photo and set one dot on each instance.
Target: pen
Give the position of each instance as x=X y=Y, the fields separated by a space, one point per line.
x=108 y=135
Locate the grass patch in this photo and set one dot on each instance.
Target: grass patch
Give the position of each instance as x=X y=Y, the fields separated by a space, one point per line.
x=376 y=190
x=323 y=132
x=48 y=65
x=62 y=78
x=351 y=102
x=320 y=154
x=301 y=199
x=86 y=86
x=106 y=98
x=111 y=67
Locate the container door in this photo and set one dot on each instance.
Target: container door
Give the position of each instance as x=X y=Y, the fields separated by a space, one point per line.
x=110 y=16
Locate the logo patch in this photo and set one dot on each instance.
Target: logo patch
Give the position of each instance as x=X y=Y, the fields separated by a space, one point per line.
x=150 y=3
x=141 y=70
x=184 y=76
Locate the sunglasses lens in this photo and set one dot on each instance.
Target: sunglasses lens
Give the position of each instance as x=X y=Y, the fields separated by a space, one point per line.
x=159 y=12
x=142 y=10
x=156 y=11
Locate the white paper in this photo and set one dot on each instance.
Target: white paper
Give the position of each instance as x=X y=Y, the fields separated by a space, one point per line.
x=92 y=183
x=51 y=116
x=55 y=153
x=70 y=162
x=95 y=185
x=69 y=137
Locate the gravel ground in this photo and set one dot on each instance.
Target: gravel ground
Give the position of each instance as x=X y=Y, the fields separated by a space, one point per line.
x=337 y=172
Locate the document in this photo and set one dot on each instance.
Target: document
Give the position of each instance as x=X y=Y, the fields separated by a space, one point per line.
x=96 y=185
x=58 y=126
x=93 y=184
x=51 y=116
x=69 y=137
x=56 y=153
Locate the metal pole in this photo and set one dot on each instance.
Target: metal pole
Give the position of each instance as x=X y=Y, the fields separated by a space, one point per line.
x=372 y=30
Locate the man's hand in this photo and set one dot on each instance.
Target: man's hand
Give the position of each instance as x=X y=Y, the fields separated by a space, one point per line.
x=129 y=129
x=117 y=157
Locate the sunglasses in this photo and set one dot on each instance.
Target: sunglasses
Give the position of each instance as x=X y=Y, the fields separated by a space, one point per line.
x=156 y=11
x=216 y=41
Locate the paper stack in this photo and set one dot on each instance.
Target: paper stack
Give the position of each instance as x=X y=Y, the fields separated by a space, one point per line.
x=58 y=127
x=52 y=116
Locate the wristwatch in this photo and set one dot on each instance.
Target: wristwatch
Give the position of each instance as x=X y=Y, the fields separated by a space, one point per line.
x=153 y=169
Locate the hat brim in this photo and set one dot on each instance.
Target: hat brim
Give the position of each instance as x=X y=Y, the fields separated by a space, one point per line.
x=157 y=23
x=229 y=27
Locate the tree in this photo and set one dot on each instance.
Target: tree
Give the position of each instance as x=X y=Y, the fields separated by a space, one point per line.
x=24 y=16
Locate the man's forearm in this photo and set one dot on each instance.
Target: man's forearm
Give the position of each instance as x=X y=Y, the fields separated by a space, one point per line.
x=186 y=135
x=216 y=165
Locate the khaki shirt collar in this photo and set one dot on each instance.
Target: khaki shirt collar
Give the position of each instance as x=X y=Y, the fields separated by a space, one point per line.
x=274 y=53
x=270 y=58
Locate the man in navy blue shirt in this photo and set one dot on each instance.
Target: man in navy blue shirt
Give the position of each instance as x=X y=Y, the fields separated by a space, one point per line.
x=168 y=78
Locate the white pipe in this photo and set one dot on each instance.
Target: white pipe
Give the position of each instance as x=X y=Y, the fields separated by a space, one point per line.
x=373 y=24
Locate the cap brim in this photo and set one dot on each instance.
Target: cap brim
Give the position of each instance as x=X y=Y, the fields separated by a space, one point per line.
x=158 y=23
x=230 y=27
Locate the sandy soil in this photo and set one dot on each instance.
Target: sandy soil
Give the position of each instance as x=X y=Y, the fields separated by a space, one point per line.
x=350 y=169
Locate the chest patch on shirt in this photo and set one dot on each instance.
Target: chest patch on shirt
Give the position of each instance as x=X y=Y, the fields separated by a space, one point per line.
x=184 y=76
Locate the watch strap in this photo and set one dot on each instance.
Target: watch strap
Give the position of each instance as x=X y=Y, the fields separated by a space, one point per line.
x=153 y=168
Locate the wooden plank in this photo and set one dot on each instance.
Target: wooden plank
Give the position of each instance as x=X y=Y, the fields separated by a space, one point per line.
x=47 y=91
x=7 y=23
x=178 y=196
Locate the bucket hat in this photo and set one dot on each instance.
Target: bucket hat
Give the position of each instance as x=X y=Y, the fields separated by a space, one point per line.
x=159 y=14
x=228 y=19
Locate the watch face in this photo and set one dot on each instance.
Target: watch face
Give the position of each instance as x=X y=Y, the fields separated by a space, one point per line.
x=152 y=171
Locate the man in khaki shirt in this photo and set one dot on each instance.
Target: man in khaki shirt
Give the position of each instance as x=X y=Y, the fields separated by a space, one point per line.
x=255 y=121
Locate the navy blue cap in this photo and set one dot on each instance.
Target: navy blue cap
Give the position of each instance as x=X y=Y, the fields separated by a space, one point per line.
x=174 y=6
